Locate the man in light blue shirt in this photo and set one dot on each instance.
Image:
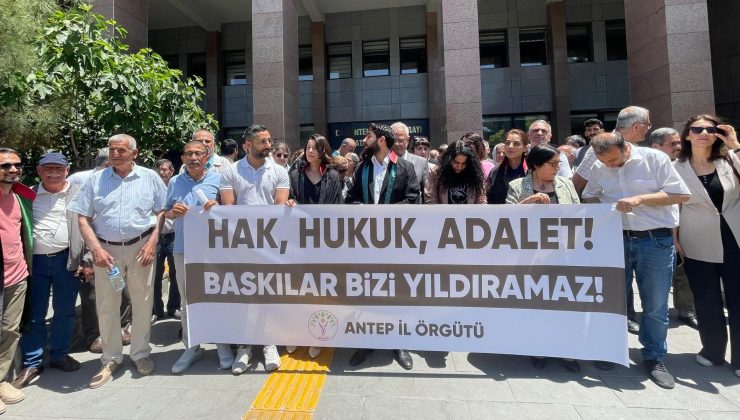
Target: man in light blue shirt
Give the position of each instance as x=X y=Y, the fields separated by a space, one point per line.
x=181 y=196
x=255 y=180
x=120 y=210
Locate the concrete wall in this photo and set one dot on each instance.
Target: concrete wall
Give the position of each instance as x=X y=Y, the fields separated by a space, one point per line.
x=382 y=97
x=513 y=90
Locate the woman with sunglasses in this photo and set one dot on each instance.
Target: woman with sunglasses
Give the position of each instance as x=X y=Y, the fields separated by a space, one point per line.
x=313 y=181
x=281 y=153
x=512 y=167
x=708 y=233
x=458 y=179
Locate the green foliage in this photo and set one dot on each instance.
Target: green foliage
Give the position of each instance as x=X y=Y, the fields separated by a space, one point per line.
x=96 y=89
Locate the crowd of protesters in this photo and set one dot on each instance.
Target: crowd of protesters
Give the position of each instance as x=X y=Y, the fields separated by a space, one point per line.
x=107 y=232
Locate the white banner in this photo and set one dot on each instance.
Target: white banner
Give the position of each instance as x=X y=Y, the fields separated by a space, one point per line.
x=515 y=279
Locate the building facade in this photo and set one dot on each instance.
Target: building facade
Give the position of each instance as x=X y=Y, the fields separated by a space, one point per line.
x=445 y=67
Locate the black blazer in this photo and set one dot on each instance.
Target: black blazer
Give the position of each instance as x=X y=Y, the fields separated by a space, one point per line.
x=330 y=184
x=405 y=187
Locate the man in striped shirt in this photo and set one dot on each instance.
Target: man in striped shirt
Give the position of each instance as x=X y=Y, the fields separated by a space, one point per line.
x=120 y=218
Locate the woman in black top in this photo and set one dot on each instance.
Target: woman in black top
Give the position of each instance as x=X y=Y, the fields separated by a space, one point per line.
x=708 y=235
x=512 y=167
x=314 y=182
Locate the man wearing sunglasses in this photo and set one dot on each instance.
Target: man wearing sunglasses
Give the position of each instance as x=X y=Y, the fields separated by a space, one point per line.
x=16 y=246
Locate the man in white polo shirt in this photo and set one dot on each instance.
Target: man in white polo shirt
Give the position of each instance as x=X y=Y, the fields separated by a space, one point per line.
x=255 y=180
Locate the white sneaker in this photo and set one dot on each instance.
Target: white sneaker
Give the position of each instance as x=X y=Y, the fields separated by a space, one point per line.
x=291 y=349
x=272 y=358
x=313 y=352
x=703 y=360
x=243 y=353
x=187 y=359
x=225 y=356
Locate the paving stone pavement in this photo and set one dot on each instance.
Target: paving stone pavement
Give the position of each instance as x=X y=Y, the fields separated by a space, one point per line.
x=441 y=386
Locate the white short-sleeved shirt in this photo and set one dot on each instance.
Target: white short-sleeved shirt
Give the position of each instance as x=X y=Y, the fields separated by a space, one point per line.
x=584 y=168
x=647 y=171
x=50 y=231
x=121 y=208
x=254 y=186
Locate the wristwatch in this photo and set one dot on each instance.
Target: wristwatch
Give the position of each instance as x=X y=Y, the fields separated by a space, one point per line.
x=736 y=150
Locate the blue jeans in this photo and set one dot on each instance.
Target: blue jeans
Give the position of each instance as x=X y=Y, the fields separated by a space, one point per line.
x=48 y=273
x=652 y=261
x=164 y=251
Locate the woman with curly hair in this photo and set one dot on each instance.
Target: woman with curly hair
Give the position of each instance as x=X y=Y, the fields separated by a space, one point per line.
x=512 y=167
x=313 y=181
x=458 y=179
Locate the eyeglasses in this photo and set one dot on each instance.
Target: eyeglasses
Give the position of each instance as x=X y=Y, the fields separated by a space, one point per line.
x=554 y=165
x=7 y=166
x=281 y=155
x=699 y=130
x=264 y=141
x=194 y=154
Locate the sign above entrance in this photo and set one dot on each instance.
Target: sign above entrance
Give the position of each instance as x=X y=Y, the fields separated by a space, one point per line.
x=358 y=130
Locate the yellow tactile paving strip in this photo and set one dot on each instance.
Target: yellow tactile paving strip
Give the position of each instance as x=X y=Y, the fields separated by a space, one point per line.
x=292 y=392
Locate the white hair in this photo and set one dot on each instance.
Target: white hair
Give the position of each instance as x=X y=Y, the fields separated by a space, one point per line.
x=400 y=126
x=630 y=116
x=121 y=137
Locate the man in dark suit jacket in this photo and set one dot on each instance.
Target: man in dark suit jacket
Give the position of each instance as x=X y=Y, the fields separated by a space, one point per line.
x=383 y=178
x=381 y=166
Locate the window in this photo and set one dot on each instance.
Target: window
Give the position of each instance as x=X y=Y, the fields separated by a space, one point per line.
x=305 y=63
x=197 y=67
x=235 y=68
x=616 y=40
x=173 y=61
x=376 y=58
x=609 y=118
x=533 y=46
x=494 y=52
x=578 y=38
x=305 y=131
x=413 y=52
x=340 y=61
x=495 y=126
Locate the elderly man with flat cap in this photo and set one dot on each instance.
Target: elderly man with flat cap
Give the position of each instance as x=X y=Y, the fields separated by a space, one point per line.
x=57 y=257
x=120 y=212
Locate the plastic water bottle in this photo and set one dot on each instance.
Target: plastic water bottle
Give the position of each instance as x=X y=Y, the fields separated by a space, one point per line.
x=116 y=279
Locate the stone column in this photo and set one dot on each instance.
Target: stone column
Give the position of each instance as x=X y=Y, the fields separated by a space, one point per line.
x=318 y=49
x=214 y=74
x=670 y=63
x=558 y=52
x=132 y=15
x=457 y=22
x=435 y=74
x=275 y=68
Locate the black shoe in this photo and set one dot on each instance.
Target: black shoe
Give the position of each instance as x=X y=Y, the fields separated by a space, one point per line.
x=633 y=327
x=690 y=320
x=602 y=365
x=65 y=364
x=359 y=357
x=156 y=318
x=539 y=363
x=572 y=365
x=659 y=374
x=404 y=359
x=26 y=376
x=177 y=314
